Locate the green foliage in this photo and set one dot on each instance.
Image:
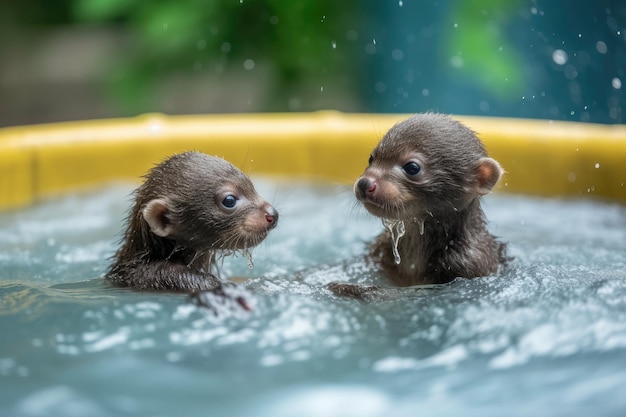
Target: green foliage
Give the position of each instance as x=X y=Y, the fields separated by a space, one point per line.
x=485 y=54
x=218 y=35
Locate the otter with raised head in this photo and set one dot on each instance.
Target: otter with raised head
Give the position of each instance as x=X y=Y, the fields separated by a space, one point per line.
x=424 y=180
x=191 y=209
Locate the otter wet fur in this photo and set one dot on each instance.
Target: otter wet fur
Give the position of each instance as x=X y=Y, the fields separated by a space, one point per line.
x=191 y=209
x=424 y=180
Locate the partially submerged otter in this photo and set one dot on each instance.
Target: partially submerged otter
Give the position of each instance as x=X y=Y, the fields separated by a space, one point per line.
x=191 y=209
x=424 y=180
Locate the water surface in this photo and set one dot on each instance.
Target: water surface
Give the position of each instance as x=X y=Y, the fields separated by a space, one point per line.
x=545 y=337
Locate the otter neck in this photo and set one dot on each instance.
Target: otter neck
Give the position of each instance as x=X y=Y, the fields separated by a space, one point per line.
x=431 y=239
x=141 y=245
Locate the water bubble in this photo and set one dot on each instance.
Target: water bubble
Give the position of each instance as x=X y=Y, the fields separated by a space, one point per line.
x=533 y=10
x=425 y=92
x=456 y=25
x=274 y=20
x=201 y=44
x=380 y=87
x=396 y=229
x=226 y=47
x=597 y=165
x=400 y=3
x=616 y=83
x=333 y=44
x=374 y=41
x=559 y=56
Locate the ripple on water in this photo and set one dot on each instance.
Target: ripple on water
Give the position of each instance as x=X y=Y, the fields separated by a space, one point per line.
x=550 y=329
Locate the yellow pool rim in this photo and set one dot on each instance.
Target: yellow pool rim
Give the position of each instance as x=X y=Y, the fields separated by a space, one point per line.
x=541 y=157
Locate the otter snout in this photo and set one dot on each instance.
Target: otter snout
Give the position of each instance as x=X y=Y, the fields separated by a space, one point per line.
x=271 y=216
x=365 y=186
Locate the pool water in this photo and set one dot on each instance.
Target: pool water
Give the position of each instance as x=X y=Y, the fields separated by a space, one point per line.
x=546 y=337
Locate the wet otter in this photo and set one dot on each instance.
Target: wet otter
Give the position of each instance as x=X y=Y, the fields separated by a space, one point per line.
x=424 y=180
x=191 y=209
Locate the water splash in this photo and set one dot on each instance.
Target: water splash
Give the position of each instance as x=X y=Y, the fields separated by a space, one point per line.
x=396 y=228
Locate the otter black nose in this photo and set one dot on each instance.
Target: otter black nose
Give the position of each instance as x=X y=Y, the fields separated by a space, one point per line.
x=365 y=185
x=271 y=215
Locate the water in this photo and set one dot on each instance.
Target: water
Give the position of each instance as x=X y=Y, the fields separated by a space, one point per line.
x=546 y=338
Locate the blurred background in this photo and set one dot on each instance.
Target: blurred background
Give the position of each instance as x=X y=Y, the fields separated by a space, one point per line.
x=82 y=59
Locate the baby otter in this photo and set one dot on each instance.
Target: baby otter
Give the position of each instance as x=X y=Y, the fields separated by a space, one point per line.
x=424 y=180
x=191 y=209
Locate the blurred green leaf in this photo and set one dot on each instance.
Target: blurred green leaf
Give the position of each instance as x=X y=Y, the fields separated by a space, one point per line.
x=98 y=10
x=477 y=39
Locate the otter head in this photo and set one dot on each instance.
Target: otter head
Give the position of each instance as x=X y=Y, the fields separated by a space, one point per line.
x=204 y=203
x=428 y=164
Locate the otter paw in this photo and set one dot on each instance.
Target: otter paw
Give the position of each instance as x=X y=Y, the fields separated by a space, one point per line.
x=225 y=299
x=360 y=292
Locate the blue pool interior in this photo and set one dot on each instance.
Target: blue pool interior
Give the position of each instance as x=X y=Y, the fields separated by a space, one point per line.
x=547 y=336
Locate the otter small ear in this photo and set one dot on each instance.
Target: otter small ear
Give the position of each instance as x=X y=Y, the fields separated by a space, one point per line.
x=156 y=215
x=488 y=173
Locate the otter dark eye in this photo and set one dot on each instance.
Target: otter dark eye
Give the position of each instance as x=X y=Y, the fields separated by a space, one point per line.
x=229 y=201
x=411 y=168
x=370 y=160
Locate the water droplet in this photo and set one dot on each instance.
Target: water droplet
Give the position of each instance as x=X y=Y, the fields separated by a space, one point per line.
x=601 y=47
x=396 y=229
x=352 y=35
x=248 y=255
x=616 y=83
x=397 y=55
x=201 y=44
x=456 y=61
x=571 y=177
x=248 y=64
x=559 y=56
x=274 y=20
